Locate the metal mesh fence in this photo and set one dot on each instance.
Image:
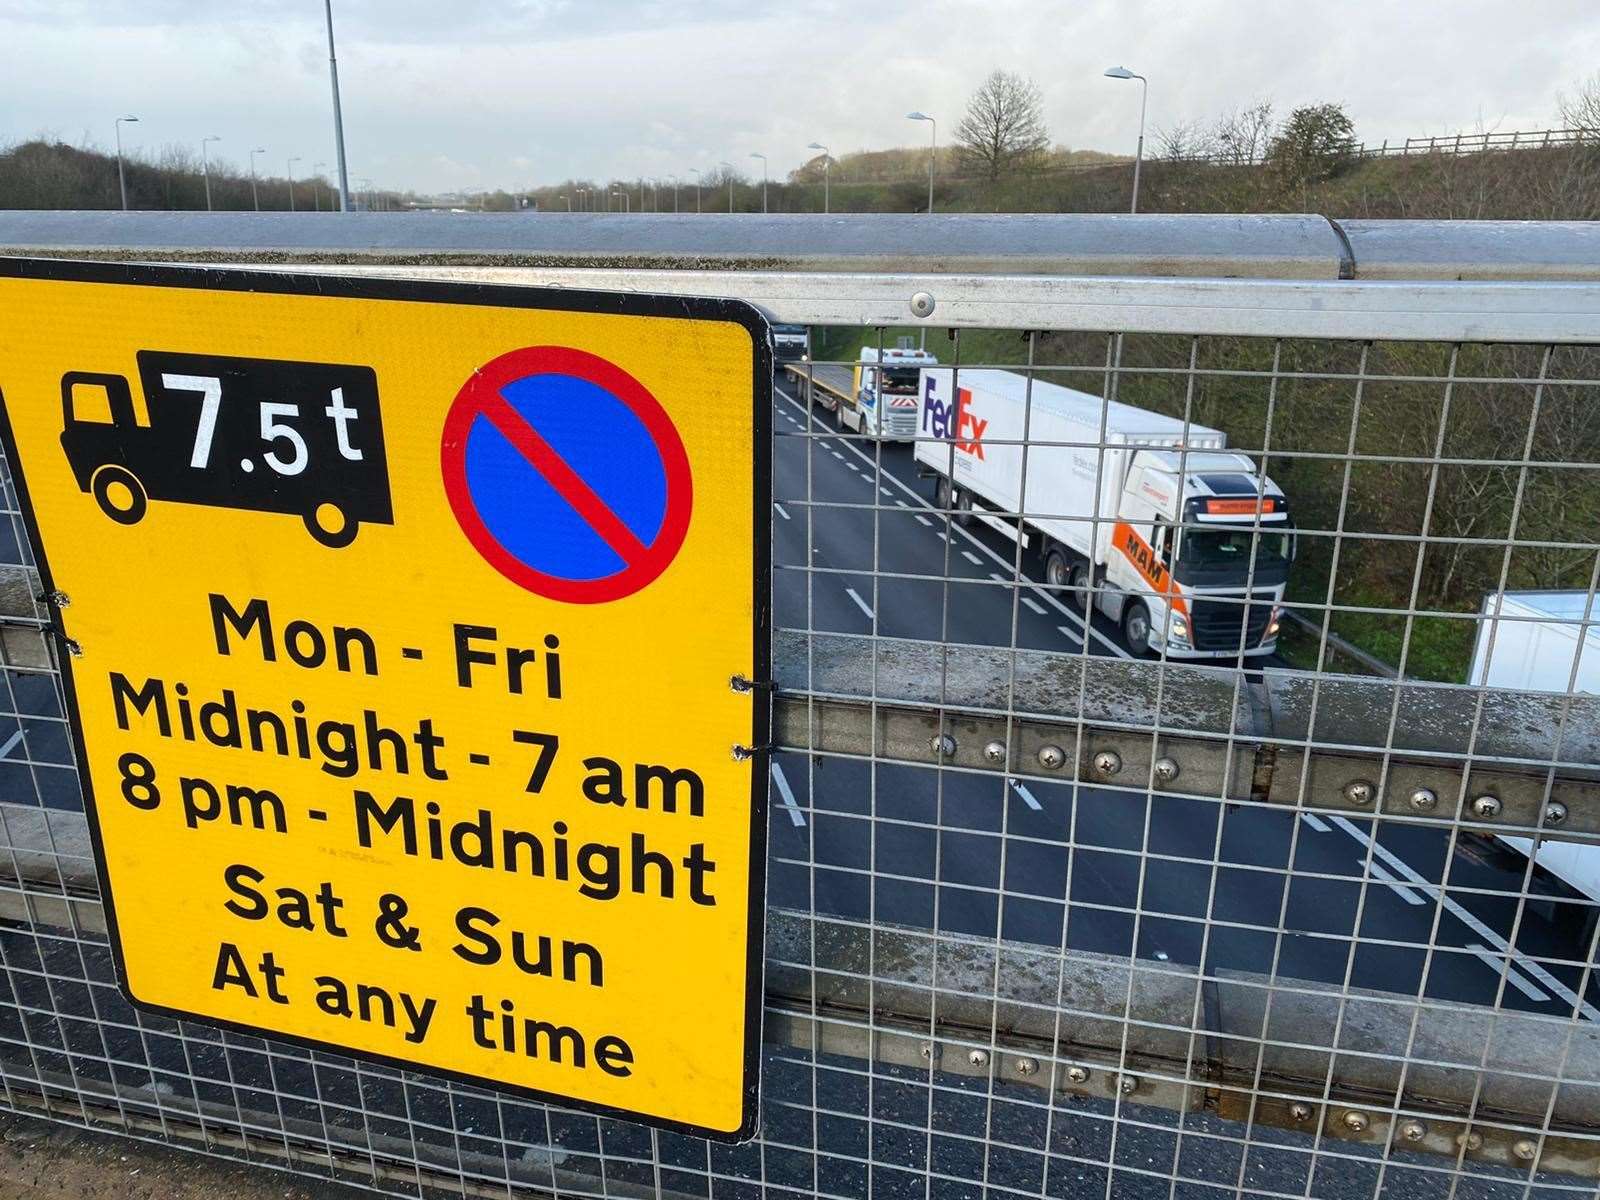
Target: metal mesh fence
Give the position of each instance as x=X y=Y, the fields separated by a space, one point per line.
x=1052 y=913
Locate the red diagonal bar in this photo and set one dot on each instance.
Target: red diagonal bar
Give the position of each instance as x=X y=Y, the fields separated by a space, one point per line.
x=568 y=483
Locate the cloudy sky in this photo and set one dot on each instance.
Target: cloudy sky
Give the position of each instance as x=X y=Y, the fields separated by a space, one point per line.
x=471 y=94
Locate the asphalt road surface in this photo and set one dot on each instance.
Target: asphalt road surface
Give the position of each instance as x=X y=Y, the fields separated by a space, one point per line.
x=1190 y=881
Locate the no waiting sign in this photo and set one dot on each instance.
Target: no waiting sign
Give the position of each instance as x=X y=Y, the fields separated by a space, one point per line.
x=408 y=635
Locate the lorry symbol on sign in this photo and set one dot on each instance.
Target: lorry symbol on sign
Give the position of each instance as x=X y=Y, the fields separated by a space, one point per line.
x=261 y=435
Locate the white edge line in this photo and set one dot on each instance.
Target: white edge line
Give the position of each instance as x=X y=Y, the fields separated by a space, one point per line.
x=1471 y=922
x=1027 y=796
x=1392 y=883
x=860 y=603
x=787 y=796
x=1497 y=964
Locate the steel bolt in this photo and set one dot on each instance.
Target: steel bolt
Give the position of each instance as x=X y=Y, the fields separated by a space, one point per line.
x=1424 y=799
x=1078 y=1074
x=1525 y=1148
x=1166 y=769
x=1128 y=1084
x=1487 y=806
x=978 y=1058
x=995 y=752
x=1356 y=1122
x=1472 y=1141
x=1027 y=1066
x=942 y=744
x=922 y=304
x=1300 y=1110
x=1107 y=762
x=1359 y=792
x=74 y=649
x=60 y=599
x=928 y=1051
x=1555 y=812
x=1413 y=1131
x=1051 y=757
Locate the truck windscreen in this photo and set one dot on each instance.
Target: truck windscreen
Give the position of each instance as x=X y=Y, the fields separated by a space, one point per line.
x=1213 y=553
x=901 y=381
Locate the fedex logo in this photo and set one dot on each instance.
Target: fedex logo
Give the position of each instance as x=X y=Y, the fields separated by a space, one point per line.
x=953 y=421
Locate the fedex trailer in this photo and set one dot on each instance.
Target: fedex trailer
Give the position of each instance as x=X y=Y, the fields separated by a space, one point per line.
x=1544 y=642
x=1152 y=520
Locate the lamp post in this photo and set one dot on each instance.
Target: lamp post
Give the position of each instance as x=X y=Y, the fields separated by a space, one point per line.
x=827 y=162
x=568 y=199
x=763 y=159
x=316 y=185
x=338 y=119
x=205 y=166
x=933 y=144
x=292 y=162
x=695 y=171
x=728 y=166
x=627 y=201
x=1144 y=95
x=255 y=196
x=674 y=193
x=122 y=179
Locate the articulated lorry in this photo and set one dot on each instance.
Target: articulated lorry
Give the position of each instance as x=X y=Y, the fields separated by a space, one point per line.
x=876 y=396
x=1154 y=522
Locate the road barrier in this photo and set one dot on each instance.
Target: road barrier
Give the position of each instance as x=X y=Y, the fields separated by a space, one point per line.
x=1045 y=917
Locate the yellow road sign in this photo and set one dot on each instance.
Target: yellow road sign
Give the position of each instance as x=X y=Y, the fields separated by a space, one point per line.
x=408 y=635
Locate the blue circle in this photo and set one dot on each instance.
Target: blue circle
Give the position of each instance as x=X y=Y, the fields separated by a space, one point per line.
x=606 y=445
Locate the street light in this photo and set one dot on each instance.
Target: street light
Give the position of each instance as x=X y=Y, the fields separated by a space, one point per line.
x=122 y=180
x=827 y=161
x=695 y=171
x=338 y=119
x=1138 y=154
x=205 y=167
x=627 y=201
x=729 y=167
x=568 y=199
x=763 y=159
x=255 y=196
x=316 y=185
x=933 y=143
x=292 y=162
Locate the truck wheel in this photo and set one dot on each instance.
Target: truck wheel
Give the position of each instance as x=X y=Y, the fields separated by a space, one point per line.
x=1080 y=586
x=1056 y=567
x=942 y=498
x=963 y=507
x=1136 y=627
x=119 y=494
x=331 y=525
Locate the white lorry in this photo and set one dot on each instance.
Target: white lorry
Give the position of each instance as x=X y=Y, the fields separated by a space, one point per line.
x=1180 y=541
x=884 y=388
x=1544 y=642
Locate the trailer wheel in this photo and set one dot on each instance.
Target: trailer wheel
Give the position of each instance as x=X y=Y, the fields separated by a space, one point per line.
x=1056 y=567
x=331 y=525
x=1080 y=584
x=1136 y=627
x=963 y=507
x=941 y=493
x=119 y=494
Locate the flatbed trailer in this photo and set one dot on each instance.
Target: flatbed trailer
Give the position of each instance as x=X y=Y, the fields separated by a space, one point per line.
x=827 y=384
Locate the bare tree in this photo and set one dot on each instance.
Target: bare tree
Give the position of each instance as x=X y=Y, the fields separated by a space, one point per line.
x=1241 y=138
x=1004 y=125
x=1581 y=110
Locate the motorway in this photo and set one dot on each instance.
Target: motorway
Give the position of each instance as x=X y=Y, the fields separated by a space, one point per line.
x=1195 y=882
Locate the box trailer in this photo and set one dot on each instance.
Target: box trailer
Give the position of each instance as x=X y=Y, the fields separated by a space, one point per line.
x=1544 y=642
x=1152 y=520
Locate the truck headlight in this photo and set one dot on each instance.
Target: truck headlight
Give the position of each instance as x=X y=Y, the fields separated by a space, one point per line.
x=1180 y=629
x=1272 y=625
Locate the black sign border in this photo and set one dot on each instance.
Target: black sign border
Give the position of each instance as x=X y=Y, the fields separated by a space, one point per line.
x=286 y=283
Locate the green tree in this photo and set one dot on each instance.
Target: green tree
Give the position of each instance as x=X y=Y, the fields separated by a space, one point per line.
x=1314 y=143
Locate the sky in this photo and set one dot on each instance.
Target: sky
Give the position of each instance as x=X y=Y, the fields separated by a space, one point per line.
x=485 y=94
